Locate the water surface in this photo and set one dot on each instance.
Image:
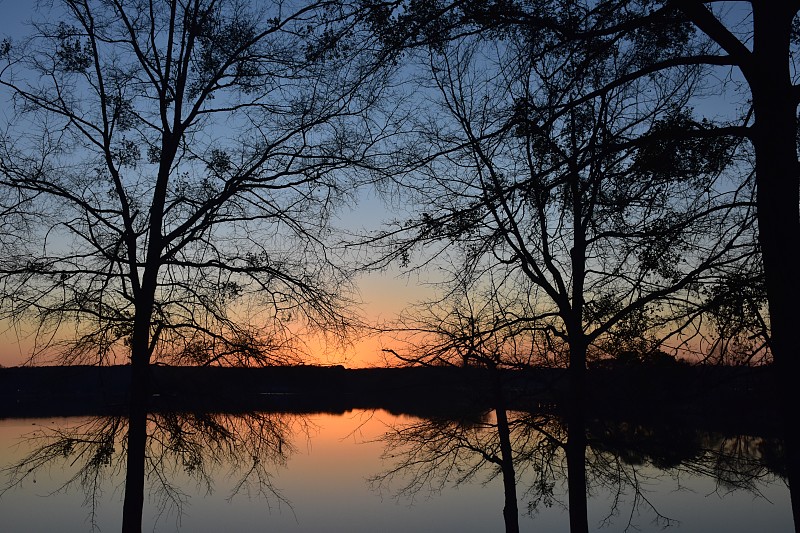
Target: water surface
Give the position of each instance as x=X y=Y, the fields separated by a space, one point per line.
x=374 y=471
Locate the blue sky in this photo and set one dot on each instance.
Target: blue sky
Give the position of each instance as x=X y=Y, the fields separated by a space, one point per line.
x=15 y=13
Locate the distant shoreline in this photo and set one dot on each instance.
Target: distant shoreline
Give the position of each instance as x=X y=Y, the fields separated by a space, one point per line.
x=684 y=393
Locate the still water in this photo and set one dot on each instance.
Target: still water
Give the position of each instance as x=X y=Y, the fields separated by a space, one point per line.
x=373 y=471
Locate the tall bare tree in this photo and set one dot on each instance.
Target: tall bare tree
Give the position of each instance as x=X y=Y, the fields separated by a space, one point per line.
x=588 y=209
x=169 y=168
x=173 y=158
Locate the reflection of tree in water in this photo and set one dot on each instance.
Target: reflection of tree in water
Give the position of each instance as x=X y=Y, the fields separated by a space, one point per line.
x=622 y=461
x=427 y=455
x=89 y=447
x=735 y=462
x=196 y=446
x=624 y=458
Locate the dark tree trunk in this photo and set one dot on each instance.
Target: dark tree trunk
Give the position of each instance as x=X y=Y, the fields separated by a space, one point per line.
x=576 y=470
x=775 y=142
x=793 y=472
x=578 y=345
x=133 y=504
x=778 y=183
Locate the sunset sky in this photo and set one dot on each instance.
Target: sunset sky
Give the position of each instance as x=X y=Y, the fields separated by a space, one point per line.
x=549 y=243
x=383 y=294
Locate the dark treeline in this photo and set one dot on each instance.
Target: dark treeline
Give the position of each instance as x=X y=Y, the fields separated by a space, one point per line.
x=719 y=398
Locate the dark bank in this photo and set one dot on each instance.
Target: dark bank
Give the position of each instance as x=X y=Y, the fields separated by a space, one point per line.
x=725 y=395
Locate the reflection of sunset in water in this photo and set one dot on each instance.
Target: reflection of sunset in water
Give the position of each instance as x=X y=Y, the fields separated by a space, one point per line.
x=320 y=482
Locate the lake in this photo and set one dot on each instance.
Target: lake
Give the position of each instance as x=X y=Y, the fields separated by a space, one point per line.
x=376 y=471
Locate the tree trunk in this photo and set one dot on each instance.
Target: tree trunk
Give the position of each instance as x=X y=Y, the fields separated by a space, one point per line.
x=775 y=141
x=137 y=426
x=778 y=187
x=576 y=439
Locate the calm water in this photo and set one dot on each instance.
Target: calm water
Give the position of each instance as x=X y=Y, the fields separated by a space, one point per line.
x=373 y=471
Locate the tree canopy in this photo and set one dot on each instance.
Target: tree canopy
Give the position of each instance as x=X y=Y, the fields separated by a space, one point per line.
x=578 y=200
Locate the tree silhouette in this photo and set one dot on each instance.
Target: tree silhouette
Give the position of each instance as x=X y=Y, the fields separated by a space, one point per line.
x=171 y=161
x=170 y=168
x=561 y=203
x=579 y=206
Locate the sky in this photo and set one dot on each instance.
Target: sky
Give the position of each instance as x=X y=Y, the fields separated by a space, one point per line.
x=15 y=14
x=384 y=294
x=12 y=349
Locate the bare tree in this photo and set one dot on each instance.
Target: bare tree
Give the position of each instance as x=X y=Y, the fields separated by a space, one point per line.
x=565 y=205
x=751 y=50
x=589 y=213
x=179 y=161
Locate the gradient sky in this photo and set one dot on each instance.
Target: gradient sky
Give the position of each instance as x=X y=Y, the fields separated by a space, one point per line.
x=14 y=12
x=384 y=294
